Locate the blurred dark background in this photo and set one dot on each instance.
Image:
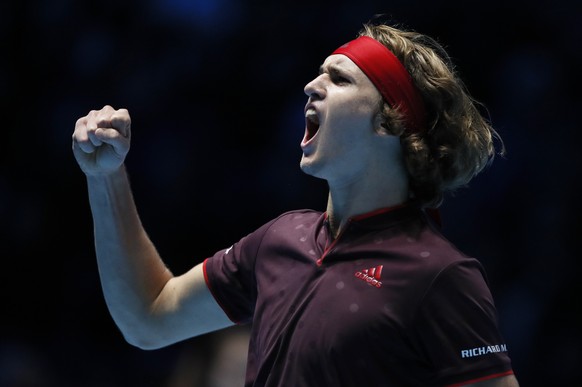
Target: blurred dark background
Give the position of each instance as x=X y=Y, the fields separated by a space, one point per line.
x=215 y=90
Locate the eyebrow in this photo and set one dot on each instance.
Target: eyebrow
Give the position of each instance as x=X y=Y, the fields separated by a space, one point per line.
x=333 y=69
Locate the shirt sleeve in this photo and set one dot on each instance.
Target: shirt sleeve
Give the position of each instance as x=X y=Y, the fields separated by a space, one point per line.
x=457 y=327
x=230 y=276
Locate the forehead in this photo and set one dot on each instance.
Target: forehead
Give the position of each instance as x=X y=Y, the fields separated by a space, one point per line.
x=344 y=65
x=341 y=62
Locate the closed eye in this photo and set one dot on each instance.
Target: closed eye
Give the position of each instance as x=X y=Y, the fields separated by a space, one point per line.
x=337 y=77
x=335 y=74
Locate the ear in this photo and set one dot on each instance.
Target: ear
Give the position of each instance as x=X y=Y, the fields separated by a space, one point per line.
x=382 y=125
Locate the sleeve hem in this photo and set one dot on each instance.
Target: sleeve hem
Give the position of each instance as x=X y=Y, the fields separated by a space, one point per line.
x=209 y=286
x=482 y=379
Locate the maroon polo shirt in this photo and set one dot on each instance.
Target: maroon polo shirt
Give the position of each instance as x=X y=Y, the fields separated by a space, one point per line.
x=390 y=302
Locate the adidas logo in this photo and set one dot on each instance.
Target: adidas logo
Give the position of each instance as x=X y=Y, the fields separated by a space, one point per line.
x=371 y=276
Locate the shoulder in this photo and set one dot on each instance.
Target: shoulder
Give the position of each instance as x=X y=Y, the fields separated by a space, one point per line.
x=458 y=292
x=445 y=256
x=300 y=215
x=440 y=265
x=451 y=269
x=286 y=225
x=295 y=219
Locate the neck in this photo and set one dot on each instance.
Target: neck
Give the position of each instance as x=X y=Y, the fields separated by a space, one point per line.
x=344 y=203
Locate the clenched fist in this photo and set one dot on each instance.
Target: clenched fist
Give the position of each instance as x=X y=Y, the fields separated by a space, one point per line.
x=101 y=140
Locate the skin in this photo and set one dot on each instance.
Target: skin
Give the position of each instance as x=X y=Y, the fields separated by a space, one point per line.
x=363 y=166
x=152 y=307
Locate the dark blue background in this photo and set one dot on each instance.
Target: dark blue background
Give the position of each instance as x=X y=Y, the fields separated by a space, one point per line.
x=215 y=90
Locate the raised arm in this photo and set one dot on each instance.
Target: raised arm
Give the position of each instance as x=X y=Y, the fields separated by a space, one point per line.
x=152 y=307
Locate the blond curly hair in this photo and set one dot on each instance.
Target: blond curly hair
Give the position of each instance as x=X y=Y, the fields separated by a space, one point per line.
x=458 y=141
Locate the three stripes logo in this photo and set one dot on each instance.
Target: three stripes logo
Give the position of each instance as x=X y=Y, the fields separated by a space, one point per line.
x=371 y=276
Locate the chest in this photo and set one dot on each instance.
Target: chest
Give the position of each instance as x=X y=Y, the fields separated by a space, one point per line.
x=322 y=300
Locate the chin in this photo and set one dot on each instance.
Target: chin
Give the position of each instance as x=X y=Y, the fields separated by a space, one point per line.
x=309 y=167
x=306 y=165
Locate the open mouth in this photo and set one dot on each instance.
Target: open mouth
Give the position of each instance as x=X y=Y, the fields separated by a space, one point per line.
x=311 y=123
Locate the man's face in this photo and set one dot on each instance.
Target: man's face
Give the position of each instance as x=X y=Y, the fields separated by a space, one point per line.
x=340 y=139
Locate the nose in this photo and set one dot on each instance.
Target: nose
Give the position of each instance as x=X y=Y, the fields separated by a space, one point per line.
x=315 y=89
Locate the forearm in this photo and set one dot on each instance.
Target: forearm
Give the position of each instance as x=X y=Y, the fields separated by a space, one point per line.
x=151 y=307
x=131 y=271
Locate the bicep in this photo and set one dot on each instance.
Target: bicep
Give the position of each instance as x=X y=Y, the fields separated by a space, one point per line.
x=186 y=308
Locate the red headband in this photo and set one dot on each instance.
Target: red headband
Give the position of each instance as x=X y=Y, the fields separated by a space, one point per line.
x=389 y=76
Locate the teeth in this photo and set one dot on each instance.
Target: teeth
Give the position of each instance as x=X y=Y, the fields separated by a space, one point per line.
x=311 y=115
